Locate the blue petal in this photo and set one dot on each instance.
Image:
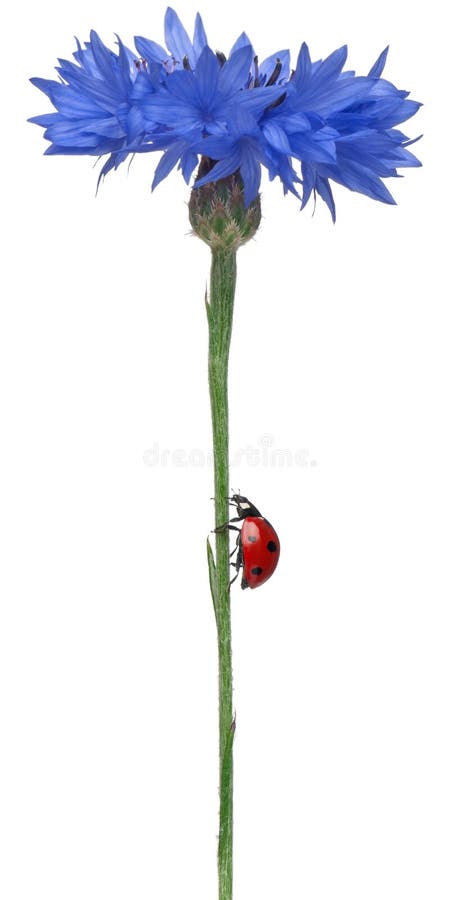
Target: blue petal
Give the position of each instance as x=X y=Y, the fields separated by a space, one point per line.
x=157 y=112
x=188 y=164
x=309 y=180
x=330 y=68
x=67 y=131
x=182 y=85
x=277 y=137
x=309 y=148
x=126 y=59
x=135 y=124
x=242 y=121
x=199 y=38
x=334 y=96
x=168 y=162
x=242 y=41
x=72 y=103
x=378 y=67
x=150 y=50
x=269 y=64
x=106 y=168
x=234 y=73
x=176 y=37
x=403 y=111
x=105 y=94
x=113 y=161
x=145 y=85
x=45 y=85
x=303 y=69
x=259 y=99
x=323 y=188
x=222 y=169
x=206 y=73
x=45 y=121
x=250 y=172
x=287 y=174
x=359 y=178
x=72 y=138
x=104 y=58
x=215 y=147
x=98 y=150
x=408 y=159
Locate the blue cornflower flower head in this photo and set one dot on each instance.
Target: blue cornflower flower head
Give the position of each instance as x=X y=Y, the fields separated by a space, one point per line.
x=308 y=127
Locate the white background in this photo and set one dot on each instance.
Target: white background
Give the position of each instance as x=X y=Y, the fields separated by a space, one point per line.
x=345 y=349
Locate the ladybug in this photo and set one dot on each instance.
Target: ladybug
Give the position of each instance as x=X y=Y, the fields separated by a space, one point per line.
x=257 y=543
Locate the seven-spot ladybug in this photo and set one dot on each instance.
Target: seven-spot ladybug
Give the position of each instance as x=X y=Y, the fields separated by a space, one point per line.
x=257 y=543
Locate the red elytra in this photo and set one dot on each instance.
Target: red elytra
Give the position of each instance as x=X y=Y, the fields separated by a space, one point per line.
x=257 y=544
x=260 y=551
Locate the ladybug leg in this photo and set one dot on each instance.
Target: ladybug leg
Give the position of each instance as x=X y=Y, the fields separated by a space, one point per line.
x=227 y=526
x=239 y=559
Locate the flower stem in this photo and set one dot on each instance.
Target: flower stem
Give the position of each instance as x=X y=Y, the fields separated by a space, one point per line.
x=220 y=316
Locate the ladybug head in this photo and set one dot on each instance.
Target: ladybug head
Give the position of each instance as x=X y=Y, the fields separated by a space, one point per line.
x=244 y=506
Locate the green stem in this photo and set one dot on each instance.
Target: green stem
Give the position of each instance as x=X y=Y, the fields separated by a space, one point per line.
x=220 y=317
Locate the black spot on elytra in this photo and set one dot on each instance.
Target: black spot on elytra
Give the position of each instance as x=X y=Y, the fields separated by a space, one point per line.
x=271 y=546
x=257 y=570
x=252 y=538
